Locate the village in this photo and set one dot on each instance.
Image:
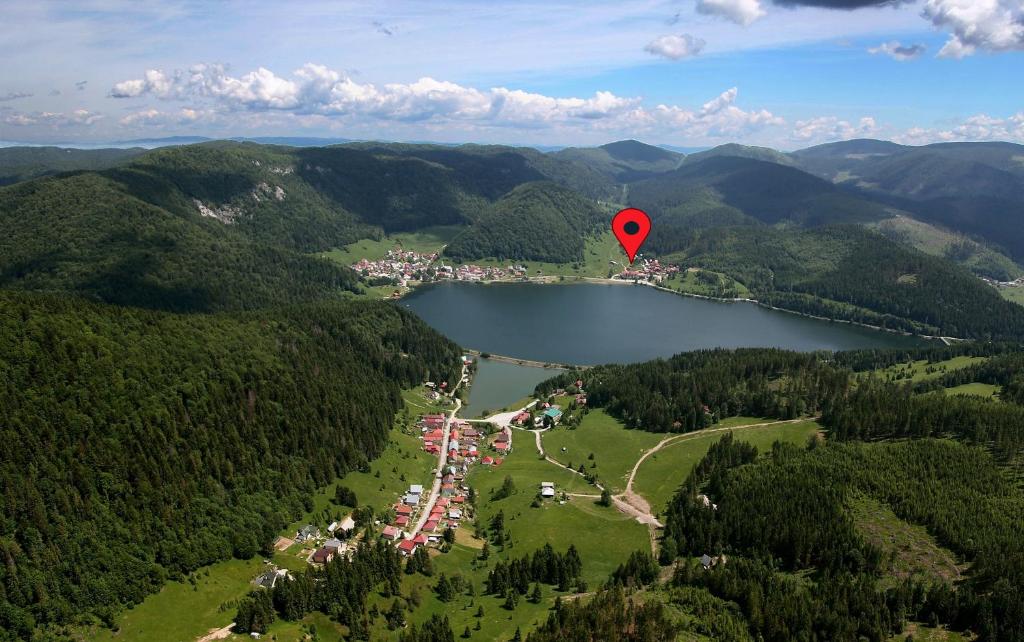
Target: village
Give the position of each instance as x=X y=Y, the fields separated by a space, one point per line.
x=402 y=268
x=420 y=516
x=650 y=270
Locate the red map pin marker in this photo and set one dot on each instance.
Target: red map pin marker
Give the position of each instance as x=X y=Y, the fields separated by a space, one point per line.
x=631 y=226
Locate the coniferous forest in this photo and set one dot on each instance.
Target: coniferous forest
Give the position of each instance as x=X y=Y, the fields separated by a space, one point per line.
x=786 y=553
x=137 y=446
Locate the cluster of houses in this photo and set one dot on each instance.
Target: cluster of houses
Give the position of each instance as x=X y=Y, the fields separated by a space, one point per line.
x=398 y=265
x=647 y=270
x=447 y=512
x=402 y=266
x=327 y=550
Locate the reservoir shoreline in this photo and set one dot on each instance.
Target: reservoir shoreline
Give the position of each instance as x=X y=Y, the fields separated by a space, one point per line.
x=416 y=286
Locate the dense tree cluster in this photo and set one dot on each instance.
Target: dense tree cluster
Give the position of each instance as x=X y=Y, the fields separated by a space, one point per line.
x=851 y=273
x=340 y=589
x=137 y=446
x=617 y=617
x=786 y=513
x=878 y=411
x=545 y=565
x=535 y=222
x=693 y=390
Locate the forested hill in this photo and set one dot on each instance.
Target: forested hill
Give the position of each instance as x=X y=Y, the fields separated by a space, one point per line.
x=23 y=163
x=797 y=537
x=849 y=272
x=536 y=221
x=137 y=445
x=84 y=233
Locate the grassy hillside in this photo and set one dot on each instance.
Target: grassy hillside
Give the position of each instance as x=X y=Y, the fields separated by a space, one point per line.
x=979 y=258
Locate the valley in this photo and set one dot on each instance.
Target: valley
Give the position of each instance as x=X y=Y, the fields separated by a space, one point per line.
x=302 y=424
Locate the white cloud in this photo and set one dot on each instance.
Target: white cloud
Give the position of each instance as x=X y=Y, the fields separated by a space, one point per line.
x=675 y=47
x=741 y=12
x=53 y=119
x=898 y=51
x=988 y=25
x=830 y=128
x=155 y=117
x=327 y=97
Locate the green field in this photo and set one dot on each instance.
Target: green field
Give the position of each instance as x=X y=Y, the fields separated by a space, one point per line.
x=610 y=535
x=923 y=371
x=598 y=253
x=425 y=241
x=908 y=549
x=977 y=389
x=1013 y=294
x=662 y=473
x=689 y=283
x=922 y=633
x=183 y=613
x=615 y=449
x=610 y=538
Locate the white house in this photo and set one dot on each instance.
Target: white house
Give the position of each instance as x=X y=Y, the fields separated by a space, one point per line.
x=547 y=489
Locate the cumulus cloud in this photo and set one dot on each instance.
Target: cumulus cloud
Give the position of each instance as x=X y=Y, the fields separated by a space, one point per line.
x=829 y=128
x=988 y=25
x=742 y=12
x=980 y=127
x=54 y=119
x=675 y=47
x=898 y=51
x=156 y=117
x=320 y=92
x=14 y=95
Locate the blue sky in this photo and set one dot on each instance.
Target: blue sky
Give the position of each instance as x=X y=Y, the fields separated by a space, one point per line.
x=682 y=72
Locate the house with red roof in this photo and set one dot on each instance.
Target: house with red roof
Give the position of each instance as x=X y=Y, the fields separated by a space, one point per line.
x=391 y=533
x=487 y=461
x=421 y=540
x=408 y=546
x=430 y=526
x=402 y=520
x=402 y=509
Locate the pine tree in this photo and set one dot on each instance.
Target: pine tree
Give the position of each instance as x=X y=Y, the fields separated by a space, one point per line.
x=536 y=596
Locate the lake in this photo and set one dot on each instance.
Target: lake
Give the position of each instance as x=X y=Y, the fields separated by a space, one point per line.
x=498 y=384
x=592 y=323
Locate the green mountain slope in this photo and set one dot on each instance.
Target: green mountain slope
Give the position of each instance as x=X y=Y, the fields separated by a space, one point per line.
x=849 y=272
x=23 y=163
x=726 y=190
x=971 y=188
x=138 y=446
x=84 y=233
x=742 y=151
x=624 y=160
x=536 y=222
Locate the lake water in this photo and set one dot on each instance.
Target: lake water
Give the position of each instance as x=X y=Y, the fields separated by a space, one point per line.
x=590 y=323
x=498 y=384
